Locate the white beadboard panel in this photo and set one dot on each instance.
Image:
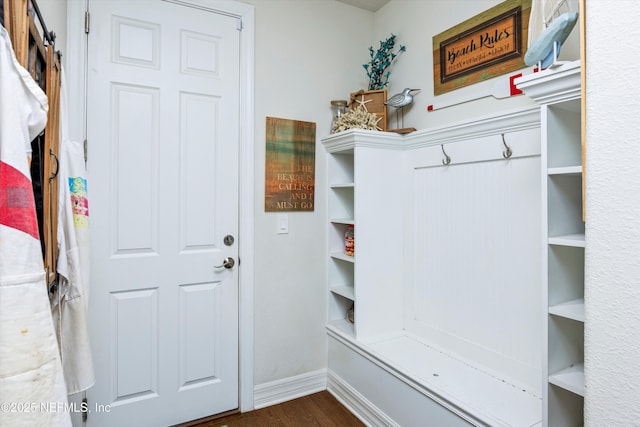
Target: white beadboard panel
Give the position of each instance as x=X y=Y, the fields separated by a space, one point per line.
x=473 y=149
x=200 y=54
x=475 y=259
x=199 y=334
x=134 y=345
x=199 y=117
x=135 y=42
x=134 y=183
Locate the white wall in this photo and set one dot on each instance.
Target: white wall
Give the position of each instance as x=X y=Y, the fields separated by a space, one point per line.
x=304 y=53
x=308 y=53
x=612 y=331
x=415 y=22
x=54 y=13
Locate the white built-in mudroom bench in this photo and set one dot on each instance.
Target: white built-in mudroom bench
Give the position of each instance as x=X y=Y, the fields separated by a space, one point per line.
x=467 y=279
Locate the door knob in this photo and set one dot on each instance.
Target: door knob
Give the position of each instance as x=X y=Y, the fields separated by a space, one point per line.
x=227 y=263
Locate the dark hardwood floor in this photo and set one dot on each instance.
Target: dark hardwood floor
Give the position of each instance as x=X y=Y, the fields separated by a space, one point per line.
x=319 y=409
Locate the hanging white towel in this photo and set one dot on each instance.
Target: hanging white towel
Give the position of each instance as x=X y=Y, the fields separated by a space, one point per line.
x=32 y=388
x=70 y=302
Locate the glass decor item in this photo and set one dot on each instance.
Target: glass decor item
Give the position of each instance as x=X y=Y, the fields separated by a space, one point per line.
x=338 y=108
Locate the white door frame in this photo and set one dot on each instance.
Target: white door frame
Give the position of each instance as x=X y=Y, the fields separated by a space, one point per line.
x=75 y=60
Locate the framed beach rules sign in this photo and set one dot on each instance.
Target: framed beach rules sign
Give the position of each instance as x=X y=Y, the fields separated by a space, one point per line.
x=487 y=45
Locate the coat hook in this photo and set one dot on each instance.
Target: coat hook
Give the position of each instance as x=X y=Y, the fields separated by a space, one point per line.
x=447 y=160
x=507 y=153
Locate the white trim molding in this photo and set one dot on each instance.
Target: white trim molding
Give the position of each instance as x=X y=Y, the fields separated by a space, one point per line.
x=517 y=120
x=553 y=84
x=356 y=403
x=286 y=389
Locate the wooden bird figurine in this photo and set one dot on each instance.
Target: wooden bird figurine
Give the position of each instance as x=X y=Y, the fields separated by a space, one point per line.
x=545 y=49
x=401 y=100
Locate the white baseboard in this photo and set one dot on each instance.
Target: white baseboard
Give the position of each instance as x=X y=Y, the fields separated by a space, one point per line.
x=290 y=388
x=355 y=402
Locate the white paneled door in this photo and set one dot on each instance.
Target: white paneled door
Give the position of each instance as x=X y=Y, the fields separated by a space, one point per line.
x=163 y=136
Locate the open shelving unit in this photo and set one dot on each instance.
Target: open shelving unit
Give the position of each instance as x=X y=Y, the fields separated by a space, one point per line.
x=355 y=159
x=558 y=92
x=390 y=187
x=423 y=326
x=341 y=214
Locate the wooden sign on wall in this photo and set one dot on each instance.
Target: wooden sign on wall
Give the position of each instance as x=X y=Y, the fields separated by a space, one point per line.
x=485 y=46
x=289 y=165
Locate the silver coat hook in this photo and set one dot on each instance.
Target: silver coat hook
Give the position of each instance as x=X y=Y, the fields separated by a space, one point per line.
x=507 y=153
x=447 y=160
